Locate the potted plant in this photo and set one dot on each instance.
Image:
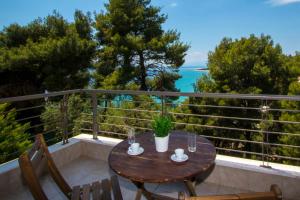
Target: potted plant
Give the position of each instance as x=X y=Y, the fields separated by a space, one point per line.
x=162 y=126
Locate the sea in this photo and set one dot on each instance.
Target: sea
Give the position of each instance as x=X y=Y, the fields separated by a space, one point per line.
x=189 y=77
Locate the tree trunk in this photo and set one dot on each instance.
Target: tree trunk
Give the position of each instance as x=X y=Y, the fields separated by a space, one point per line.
x=143 y=72
x=126 y=75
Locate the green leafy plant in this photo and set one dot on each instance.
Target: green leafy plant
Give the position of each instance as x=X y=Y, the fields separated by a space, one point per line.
x=14 y=136
x=162 y=126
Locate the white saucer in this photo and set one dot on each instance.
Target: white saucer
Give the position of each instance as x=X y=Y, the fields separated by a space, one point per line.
x=183 y=159
x=141 y=150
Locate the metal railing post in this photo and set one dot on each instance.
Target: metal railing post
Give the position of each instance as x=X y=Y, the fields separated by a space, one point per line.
x=264 y=128
x=162 y=105
x=95 y=122
x=64 y=118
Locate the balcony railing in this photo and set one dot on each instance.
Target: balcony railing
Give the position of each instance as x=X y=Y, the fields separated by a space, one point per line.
x=261 y=127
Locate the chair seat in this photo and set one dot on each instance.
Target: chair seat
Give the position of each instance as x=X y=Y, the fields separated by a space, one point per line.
x=97 y=190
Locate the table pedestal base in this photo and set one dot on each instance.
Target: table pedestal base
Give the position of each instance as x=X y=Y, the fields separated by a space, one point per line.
x=142 y=191
x=190 y=184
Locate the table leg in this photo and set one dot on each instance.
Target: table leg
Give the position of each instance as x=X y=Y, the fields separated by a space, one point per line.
x=141 y=191
x=138 y=195
x=190 y=184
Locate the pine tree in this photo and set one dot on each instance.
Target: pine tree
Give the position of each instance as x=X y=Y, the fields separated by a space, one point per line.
x=133 y=47
x=48 y=53
x=293 y=66
x=13 y=136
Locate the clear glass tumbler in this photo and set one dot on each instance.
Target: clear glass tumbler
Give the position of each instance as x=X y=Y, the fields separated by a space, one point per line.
x=192 y=141
x=131 y=135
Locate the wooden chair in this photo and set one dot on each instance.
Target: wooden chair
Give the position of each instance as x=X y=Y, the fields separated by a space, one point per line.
x=30 y=164
x=274 y=194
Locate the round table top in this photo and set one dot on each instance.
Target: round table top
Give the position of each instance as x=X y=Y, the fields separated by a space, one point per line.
x=154 y=167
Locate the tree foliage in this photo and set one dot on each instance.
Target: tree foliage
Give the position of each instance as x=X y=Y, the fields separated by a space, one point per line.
x=14 y=138
x=48 y=53
x=293 y=66
x=52 y=116
x=133 y=47
x=253 y=65
x=135 y=111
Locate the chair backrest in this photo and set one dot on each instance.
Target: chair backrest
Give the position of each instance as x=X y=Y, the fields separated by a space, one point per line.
x=31 y=163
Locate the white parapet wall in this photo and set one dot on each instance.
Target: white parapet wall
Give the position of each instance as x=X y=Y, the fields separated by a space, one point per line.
x=229 y=171
x=248 y=174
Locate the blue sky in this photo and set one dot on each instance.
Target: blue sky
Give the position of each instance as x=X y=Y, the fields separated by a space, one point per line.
x=202 y=23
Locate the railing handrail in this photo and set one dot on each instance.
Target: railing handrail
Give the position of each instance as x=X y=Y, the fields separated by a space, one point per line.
x=155 y=93
x=39 y=96
x=198 y=94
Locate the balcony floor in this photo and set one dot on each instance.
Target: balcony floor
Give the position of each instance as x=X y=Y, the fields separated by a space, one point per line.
x=86 y=170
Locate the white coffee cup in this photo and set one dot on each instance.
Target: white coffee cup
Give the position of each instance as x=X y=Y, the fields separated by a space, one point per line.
x=179 y=153
x=134 y=147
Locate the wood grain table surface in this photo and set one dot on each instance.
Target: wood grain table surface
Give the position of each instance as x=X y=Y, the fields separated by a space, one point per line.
x=155 y=167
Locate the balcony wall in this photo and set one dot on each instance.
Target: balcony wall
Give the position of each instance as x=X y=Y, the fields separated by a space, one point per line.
x=242 y=174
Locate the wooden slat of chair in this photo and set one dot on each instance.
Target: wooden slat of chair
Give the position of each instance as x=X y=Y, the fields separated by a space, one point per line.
x=217 y=197
x=258 y=196
x=75 y=193
x=37 y=157
x=86 y=192
x=30 y=177
x=36 y=145
x=38 y=161
x=106 y=195
x=116 y=188
x=274 y=194
x=96 y=190
x=55 y=174
x=31 y=160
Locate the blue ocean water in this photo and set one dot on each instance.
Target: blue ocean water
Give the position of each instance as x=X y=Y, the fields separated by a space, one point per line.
x=190 y=75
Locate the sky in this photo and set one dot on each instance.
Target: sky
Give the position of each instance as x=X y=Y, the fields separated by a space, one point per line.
x=202 y=23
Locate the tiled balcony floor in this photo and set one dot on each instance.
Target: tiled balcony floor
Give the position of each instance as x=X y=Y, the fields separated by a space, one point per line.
x=86 y=170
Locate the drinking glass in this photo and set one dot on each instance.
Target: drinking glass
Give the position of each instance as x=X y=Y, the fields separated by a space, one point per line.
x=192 y=139
x=131 y=135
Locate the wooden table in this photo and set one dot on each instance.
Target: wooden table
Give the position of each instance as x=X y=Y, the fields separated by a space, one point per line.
x=154 y=167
